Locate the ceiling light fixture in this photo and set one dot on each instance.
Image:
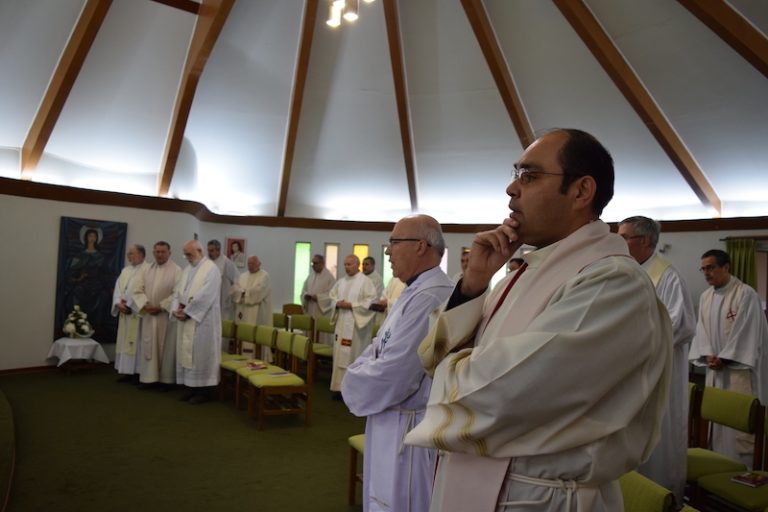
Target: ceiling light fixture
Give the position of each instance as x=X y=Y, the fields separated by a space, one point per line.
x=346 y=9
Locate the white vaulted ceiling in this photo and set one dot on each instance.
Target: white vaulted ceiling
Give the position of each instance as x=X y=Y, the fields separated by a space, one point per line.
x=315 y=122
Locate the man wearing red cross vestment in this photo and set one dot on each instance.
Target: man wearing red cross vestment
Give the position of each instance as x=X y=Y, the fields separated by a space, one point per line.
x=731 y=341
x=545 y=392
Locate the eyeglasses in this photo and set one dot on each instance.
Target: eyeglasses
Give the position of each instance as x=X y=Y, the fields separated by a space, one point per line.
x=708 y=268
x=394 y=241
x=527 y=176
x=631 y=237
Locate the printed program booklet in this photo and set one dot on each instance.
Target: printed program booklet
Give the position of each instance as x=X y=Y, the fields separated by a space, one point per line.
x=751 y=479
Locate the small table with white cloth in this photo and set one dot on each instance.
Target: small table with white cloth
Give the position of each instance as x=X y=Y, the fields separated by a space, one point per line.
x=66 y=349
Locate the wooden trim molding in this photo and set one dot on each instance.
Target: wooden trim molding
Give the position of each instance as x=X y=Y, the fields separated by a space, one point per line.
x=610 y=58
x=486 y=38
x=297 y=99
x=211 y=18
x=63 y=79
x=401 y=98
x=184 y=5
x=732 y=28
x=22 y=188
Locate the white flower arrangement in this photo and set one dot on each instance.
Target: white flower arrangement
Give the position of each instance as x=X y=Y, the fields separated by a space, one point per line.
x=77 y=324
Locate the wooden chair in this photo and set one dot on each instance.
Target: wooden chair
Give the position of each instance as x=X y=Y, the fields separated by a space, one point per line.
x=230 y=364
x=321 y=350
x=293 y=309
x=264 y=337
x=279 y=321
x=735 y=410
x=694 y=414
x=303 y=323
x=283 y=392
x=356 y=449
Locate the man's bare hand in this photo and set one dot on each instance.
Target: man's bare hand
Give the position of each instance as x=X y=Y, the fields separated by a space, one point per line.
x=490 y=251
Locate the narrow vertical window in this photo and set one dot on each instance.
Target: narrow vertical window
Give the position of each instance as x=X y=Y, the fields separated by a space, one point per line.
x=385 y=269
x=301 y=264
x=332 y=258
x=361 y=251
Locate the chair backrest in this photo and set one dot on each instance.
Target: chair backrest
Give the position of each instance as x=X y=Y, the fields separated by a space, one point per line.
x=279 y=320
x=293 y=309
x=644 y=495
x=303 y=323
x=301 y=346
x=284 y=341
x=694 y=413
x=729 y=408
x=375 y=330
x=246 y=332
x=265 y=336
x=227 y=329
x=323 y=324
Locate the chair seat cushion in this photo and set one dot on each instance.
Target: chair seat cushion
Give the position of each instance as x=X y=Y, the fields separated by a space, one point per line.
x=321 y=349
x=746 y=497
x=357 y=442
x=247 y=371
x=275 y=378
x=703 y=462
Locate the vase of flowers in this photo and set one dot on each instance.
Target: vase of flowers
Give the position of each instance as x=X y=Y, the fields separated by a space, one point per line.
x=77 y=324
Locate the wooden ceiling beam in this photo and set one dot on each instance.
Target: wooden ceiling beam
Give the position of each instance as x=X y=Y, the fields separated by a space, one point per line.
x=63 y=79
x=297 y=99
x=185 y=5
x=734 y=29
x=494 y=57
x=610 y=58
x=210 y=21
x=401 y=98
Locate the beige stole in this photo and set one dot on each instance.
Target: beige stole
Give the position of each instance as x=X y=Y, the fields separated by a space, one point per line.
x=656 y=269
x=129 y=324
x=185 y=333
x=571 y=255
x=733 y=295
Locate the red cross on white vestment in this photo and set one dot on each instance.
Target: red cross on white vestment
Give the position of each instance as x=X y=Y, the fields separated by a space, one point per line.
x=731 y=315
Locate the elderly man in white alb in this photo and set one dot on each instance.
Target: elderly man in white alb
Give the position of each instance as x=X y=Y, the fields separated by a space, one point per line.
x=153 y=296
x=127 y=346
x=195 y=308
x=229 y=275
x=551 y=387
x=731 y=341
x=314 y=294
x=387 y=383
x=667 y=465
x=351 y=295
x=252 y=296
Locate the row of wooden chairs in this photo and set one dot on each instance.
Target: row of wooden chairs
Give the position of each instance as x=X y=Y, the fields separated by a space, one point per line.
x=709 y=474
x=282 y=388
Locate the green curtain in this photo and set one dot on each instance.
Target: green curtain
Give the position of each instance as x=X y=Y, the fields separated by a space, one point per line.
x=742 y=254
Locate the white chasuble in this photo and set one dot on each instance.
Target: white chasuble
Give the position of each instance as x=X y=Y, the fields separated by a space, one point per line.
x=563 y=391
x=129 y=326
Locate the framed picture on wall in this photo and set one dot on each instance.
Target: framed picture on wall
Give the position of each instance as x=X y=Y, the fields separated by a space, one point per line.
x=236 y=251
x=91 y=256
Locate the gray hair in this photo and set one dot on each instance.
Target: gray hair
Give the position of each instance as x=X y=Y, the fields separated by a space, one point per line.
x=429 y=229
x=644 y=227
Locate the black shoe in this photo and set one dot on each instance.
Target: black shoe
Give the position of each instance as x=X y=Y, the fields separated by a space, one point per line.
x=162 y=387
x=125 y=379
x=336 y=396
x=148 y=386
x=199 y=398
x=187 y=395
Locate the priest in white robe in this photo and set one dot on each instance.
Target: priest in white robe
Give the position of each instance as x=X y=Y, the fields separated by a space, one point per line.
x=252 y=296
x=195 y=309
x=229 y=275
x=667 y=464
x=153 y=296
x=369 y=269
x=731 y=341
x=127 y=346
x=351 y=295
x=314 y=294
x=550 y=388
x=387 y=382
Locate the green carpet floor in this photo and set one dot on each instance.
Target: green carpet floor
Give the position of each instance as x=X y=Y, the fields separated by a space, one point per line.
x=86 y=443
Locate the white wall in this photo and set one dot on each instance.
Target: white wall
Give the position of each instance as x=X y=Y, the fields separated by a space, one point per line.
x=30 y=230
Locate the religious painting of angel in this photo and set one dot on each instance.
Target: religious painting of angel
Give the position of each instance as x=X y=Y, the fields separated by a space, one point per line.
x=236 y=252
x=91 y=255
